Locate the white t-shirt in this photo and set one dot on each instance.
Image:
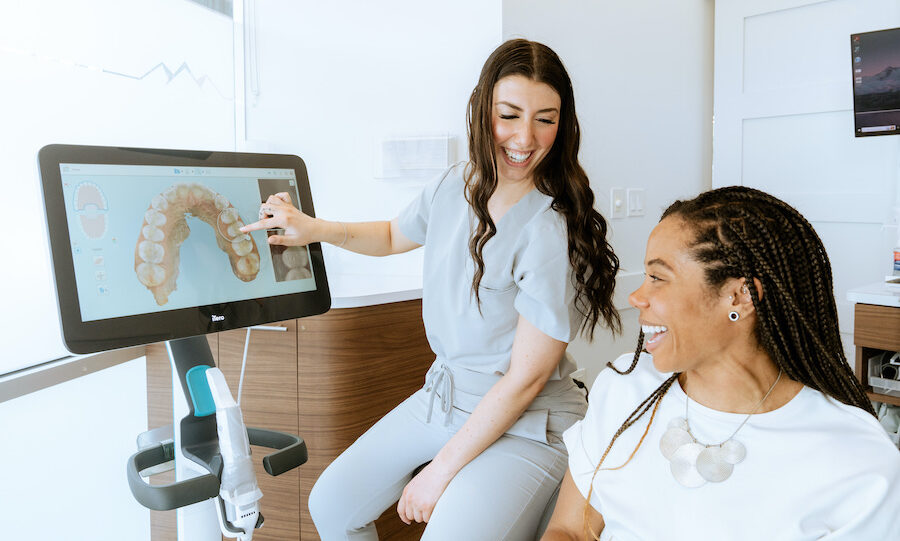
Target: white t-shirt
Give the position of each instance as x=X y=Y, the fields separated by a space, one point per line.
x=815 y=468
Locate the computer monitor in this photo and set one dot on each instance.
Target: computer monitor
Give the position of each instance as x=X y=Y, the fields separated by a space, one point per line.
x=145 y=244
x=875 y=57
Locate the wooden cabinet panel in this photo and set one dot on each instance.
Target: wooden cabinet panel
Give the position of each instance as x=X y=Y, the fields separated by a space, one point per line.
x=327 y=378
x=356 y=364
x=876 y=329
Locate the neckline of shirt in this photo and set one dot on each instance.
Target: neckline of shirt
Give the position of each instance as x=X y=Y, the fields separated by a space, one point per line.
x=696 y=408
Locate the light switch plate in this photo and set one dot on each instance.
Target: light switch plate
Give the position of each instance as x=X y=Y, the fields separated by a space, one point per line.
x=617 y=203
x=636 y=201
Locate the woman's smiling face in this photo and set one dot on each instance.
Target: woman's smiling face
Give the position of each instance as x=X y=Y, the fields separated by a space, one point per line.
x=685 y=322
x=524 y=121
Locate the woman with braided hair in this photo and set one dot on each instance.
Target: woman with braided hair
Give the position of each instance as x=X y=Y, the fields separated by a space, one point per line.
x=738 y=417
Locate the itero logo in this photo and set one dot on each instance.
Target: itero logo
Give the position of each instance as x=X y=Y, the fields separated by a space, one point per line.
x=218 y=318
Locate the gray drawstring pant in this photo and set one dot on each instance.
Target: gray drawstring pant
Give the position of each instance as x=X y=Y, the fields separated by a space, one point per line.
x=502 y=494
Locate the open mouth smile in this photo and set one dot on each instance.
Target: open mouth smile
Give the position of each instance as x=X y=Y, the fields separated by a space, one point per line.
x=517 y=157
x=653 y=334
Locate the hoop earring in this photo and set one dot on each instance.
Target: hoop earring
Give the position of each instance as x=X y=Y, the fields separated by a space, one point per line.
x=734 y=316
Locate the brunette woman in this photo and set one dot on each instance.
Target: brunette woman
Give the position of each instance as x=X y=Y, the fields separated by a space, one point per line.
x=516 y=264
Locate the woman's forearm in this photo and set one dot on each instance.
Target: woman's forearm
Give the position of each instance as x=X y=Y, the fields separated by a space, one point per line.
x=533 y=358
x=498 y=410
x=368 y=238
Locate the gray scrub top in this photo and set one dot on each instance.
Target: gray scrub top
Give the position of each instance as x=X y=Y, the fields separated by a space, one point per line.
x=526 y=272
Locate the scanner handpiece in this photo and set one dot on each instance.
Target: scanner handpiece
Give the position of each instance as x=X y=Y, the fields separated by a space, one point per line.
x=238 y=488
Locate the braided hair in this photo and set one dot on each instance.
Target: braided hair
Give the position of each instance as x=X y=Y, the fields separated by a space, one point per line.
x=745 y=233
x=741 y=232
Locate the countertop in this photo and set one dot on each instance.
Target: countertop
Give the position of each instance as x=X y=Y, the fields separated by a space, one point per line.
x=878 y=293
x=356 y=280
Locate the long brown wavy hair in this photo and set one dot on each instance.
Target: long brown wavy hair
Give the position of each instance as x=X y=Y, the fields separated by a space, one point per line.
x=558 y=175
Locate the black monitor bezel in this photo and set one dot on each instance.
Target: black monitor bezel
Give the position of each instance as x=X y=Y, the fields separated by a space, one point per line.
x=856 y=128
x=99 y=335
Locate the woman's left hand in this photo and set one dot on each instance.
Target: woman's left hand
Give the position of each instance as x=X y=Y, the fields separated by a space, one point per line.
x=421 y=495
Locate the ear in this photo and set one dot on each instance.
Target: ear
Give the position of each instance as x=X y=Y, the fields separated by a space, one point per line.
x=737 y=290
x=759 y=288
x=739 y=298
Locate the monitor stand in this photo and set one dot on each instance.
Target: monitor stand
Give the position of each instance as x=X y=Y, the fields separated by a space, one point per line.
x=195 y=451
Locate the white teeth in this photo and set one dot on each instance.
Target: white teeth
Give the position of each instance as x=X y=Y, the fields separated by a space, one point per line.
x=242 y=246
x=517 y=157
x=221 y=202
x=151 y=252
x=229 y=215
x=249 y=264
x=153 y=234
x=653 y=329
x=154 y=217
x=159 y=203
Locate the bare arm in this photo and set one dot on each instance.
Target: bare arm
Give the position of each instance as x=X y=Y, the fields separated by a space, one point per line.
x=533 y=358
x=567 y=522
x=369 y=238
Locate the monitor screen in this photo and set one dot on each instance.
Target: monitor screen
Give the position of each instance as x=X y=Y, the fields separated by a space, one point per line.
x=876 y=82
x=146 y=243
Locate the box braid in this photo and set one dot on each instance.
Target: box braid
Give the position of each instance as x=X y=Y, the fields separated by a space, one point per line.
x=746 y=233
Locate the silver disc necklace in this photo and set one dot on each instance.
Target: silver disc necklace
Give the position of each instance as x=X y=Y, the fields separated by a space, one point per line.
x=693 y=463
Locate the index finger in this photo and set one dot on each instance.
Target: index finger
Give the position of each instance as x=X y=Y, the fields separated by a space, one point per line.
x=265 y=223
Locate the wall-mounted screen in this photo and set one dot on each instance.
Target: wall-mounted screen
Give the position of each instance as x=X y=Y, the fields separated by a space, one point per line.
x=876 y=82
x=146 y=244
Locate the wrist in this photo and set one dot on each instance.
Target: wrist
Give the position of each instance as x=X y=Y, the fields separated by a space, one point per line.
x=444 y=466
x=326 y=231
x=339 y=234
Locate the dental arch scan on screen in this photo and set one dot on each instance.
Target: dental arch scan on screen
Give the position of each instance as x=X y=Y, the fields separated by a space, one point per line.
x=148 y=238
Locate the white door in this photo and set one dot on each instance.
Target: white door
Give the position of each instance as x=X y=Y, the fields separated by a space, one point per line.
x=783 y=123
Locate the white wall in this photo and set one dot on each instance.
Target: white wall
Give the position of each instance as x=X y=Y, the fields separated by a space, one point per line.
x=62 y=463
x=335 y=77
x=642 y=75
x=784 y=124
x=359 y=71
x=100 y=72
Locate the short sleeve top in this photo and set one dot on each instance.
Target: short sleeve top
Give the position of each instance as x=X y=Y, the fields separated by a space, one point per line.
x=526 y=272
x=815 y=468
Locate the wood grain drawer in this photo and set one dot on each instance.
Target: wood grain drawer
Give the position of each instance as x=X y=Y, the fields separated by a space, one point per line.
x=877 y=327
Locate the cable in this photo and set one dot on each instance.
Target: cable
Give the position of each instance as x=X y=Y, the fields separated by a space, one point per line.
x=243 y=366
x=247 y=347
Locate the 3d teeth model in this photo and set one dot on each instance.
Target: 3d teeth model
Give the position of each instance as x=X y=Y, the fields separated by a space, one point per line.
x=156 y=256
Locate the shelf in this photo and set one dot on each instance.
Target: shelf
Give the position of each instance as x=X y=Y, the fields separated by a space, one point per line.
x=876 y=329
x=893 y=400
